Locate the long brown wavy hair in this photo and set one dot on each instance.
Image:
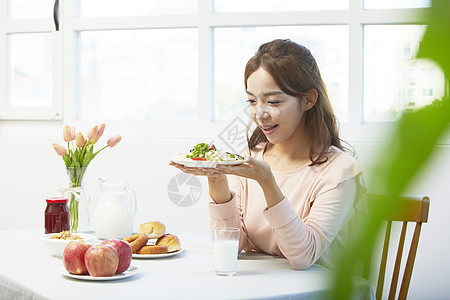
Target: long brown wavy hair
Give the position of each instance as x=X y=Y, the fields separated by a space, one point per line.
x=295 y=71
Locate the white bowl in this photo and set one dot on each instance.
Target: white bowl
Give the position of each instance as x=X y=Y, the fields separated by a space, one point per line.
x=56 y=246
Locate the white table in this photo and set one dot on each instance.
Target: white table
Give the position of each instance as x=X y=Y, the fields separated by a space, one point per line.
x=28 y=271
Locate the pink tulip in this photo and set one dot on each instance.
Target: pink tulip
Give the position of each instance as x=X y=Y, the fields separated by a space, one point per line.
x=80 y=140
x=92 y=133
x=114 y=140
x=100 y=131
x=69 y=133
x=60 y=149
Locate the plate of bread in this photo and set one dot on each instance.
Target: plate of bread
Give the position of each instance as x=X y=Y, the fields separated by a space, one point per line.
x=136 y=255
x=152 y=241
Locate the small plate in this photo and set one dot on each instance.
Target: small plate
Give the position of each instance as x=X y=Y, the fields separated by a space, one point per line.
x=130 y=272
x=205 y=163
x=135 y=255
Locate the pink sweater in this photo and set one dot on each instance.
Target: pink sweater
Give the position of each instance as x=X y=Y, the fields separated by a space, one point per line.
x=310 y=224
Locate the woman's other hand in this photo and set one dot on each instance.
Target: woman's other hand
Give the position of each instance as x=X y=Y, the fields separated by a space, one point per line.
x=211 y=173
x=217 y=181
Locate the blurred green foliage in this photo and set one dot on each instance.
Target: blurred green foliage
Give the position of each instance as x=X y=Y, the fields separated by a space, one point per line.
x=407 y=150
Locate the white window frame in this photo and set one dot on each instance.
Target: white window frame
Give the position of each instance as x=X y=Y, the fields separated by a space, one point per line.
x=356 y=17
x=17 y=26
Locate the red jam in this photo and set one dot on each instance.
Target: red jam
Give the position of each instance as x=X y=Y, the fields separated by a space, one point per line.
x=56 y=215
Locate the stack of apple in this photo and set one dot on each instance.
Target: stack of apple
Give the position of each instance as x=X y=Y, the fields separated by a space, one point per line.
x=110 y=257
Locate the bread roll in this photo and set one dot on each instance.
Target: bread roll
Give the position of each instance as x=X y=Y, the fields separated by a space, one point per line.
x=170 y=241
x=153 y=230
x=152 y=249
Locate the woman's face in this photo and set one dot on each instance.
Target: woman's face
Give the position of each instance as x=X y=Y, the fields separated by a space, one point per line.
x=279 y=115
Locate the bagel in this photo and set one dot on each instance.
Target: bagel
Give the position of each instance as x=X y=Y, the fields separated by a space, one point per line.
x=152 y=249
x=137 y=241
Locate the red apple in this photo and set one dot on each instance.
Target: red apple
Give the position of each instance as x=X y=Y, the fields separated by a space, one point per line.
x=101 y=260
x=73 y=257
x=125 y=252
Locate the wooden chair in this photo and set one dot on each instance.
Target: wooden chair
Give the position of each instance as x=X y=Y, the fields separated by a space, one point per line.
x=413 y=209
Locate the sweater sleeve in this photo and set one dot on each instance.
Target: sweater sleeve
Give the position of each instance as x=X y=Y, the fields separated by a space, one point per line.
x=229 y=214
x=302 y=242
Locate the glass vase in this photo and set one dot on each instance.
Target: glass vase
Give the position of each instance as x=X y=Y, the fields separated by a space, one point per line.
x=79 y=200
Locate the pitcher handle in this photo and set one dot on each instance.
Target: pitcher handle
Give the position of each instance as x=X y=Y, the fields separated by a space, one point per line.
x=133 y=199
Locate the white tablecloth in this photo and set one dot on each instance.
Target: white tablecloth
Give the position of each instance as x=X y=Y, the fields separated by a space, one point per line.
x=28 y=271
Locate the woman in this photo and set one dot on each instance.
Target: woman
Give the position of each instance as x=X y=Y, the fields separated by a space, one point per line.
x=296 y=191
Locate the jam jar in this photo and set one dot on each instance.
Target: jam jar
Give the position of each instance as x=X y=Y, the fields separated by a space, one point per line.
x=56 y=215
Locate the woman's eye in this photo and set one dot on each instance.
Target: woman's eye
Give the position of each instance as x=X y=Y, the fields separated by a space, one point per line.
x=274 y=102
x=250 y=101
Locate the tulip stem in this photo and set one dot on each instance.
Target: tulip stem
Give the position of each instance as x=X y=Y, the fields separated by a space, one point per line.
x=100 y=150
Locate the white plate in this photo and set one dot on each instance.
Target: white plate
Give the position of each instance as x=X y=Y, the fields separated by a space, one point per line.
x=135 y=255
x=205 y=163
x=130 y=272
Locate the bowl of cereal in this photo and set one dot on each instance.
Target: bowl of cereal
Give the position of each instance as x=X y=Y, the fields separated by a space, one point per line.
x=56 y=242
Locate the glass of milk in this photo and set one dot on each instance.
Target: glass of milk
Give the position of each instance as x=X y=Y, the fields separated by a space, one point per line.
x=226 y=244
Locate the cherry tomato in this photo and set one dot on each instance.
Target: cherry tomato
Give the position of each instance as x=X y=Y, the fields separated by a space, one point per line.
x=198 y=158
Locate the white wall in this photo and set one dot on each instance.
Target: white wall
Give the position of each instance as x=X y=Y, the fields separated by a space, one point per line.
x=30 y=171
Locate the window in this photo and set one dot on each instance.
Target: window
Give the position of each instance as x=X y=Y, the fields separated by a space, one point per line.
x=31 y=70
x=393 y=78
x=159 y=62
x=30 y=9
x=131 y=74
x=384 y=4
x=133 y=8
x=271 y=6
x=328 y=43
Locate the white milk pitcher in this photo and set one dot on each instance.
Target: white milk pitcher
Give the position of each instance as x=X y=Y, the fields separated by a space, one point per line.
x=115 y=211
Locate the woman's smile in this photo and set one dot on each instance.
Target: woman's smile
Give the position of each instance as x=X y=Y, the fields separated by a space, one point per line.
x=268 y=129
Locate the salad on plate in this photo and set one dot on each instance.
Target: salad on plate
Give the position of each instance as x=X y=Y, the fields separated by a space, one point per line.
x=207 y=156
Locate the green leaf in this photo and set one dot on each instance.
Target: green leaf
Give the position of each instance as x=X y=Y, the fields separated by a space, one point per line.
x=405 y=153
x=76 y=164
x=76 y=153
x=66 y=159
x=403 y=157
x=199 y=150
x=88 y=156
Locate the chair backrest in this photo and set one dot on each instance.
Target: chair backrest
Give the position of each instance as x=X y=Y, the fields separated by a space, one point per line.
x=412 y=209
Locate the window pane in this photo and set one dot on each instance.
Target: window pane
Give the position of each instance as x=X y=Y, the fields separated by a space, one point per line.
x=383 y=4
x=394 y=81
x=139 y=74
x=21 y=9
x=120 y=8
x=273 y=5
x=31 y=71
x=328 y=44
